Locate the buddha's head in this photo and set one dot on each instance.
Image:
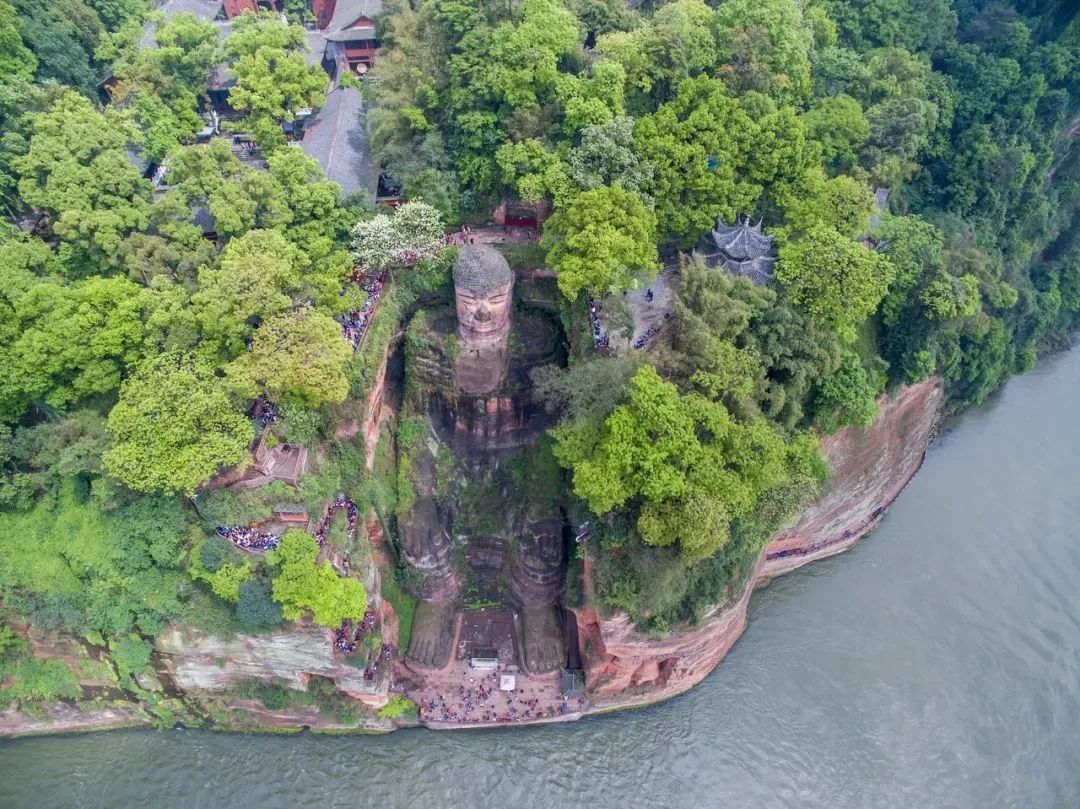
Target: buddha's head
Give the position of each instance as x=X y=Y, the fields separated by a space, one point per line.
x=483 y=286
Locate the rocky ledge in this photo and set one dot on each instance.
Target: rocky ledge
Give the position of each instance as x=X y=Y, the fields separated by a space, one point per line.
x=870 y=468
x=624 y=667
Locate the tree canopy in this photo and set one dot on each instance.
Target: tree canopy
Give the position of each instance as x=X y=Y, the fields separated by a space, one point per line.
x=173 y=427
x=301 y=586
x=601 y=241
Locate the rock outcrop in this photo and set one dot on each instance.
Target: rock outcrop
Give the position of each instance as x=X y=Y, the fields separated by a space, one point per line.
x=869 y=470
x=289 y=657
x=625 y=667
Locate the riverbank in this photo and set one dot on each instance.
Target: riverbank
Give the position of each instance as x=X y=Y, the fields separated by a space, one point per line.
x=933 y=666
x=624 y=668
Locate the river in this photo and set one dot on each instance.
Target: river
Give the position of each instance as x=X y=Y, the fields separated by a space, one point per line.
x=935 y=665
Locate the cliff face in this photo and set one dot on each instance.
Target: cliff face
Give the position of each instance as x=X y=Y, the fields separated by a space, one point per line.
x=196 y=662
x=623 y=667
x=869 y=469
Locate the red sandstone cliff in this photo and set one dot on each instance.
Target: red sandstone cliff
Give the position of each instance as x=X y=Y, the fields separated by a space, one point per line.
x=624 y=667
x=869 y=469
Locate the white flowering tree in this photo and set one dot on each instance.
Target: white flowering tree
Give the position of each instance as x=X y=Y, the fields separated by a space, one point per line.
x=415 y=231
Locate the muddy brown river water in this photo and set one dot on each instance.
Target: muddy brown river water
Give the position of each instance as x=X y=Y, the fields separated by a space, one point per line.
x=935 y=665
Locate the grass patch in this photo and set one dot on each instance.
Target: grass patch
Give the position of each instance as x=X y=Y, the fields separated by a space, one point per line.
x=524 y=256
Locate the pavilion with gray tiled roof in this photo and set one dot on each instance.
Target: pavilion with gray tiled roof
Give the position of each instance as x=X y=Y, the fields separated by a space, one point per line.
x=743 y=250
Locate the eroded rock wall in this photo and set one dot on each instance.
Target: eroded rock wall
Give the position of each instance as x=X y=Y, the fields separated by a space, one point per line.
x=869 y=470
x=289 y=657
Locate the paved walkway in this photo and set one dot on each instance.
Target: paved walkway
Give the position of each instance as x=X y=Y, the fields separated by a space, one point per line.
x=649 y=314
x=461 y=695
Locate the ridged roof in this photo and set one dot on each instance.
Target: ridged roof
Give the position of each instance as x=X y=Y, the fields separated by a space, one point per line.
x=481 y=267
x=742 y=240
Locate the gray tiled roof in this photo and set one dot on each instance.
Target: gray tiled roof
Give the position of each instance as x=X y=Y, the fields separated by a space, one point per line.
x=336 y=138
x=745 y=251
x=346 y=12
x=203 y=9
x=741 y=240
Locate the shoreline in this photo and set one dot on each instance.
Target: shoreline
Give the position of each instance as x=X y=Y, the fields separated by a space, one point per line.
x=871 y=470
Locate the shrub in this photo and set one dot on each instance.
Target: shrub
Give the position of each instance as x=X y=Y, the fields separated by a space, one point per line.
x=397 y=707
x=131 y=654
x=256 y=610
x=35 y=680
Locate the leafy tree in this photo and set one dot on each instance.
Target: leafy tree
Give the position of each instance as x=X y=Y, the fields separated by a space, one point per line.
x=302 y=586
x=237 y=197
x=847 y=397
x=496 y=72
x=214 y=552
x=586 y=390
x=601 y=241
x=173 y=427
x=77 y=168
x=297 y=357
x=131 y=654
x=227 y=579
x=840 y=126
x=606 y=156
x=163 y=84
x=397 y=707
x=273 y=78
x=63 y=37
x=188 y=49
x=746 y=346
x=414 y=231
x=256 y=610
x=115 y=13
x=841 y=203
x=836 y=280
x=17 y=62
x=764 y=46
x=677 y=42
x=688 y=460
x=699 y=145
x=73 y=342
x=251 y=284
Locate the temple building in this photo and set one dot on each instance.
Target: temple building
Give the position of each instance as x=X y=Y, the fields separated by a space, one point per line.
x=743 y=250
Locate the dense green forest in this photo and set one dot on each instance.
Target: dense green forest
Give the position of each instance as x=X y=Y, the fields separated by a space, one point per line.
x=132 y=347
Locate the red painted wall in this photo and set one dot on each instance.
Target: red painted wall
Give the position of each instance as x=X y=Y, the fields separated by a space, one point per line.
x=236 y=7
x=324 y=12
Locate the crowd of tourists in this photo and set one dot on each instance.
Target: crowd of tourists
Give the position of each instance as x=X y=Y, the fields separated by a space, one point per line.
x=600 y=335
x=650 y=333
x=351 y=511
x=248 y=538
x=386 y=654
x=355 y=323
x=264 y=411
x=484 y=702
x=349 y=637
x=252 y=539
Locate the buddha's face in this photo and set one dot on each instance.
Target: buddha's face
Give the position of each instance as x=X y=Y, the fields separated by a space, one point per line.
x=483 y=312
